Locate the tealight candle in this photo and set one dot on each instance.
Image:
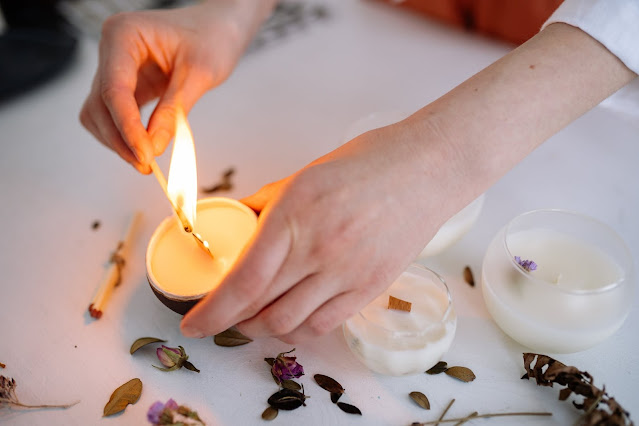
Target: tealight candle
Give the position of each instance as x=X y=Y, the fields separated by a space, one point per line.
x=578 y=295
x=178 y=270
x=398 y=342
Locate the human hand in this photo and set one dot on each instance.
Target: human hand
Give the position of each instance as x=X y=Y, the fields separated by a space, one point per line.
x=174 y=55
x=330 y=239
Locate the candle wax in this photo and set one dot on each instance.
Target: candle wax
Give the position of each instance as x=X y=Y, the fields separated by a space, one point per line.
x=181 y=268
x=569 y=303
x=396 y=342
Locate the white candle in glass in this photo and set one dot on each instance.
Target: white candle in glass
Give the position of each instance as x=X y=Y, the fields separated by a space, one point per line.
x=580 y=292
x=398 y=343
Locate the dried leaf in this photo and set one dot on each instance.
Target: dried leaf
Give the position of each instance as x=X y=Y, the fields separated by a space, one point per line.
x=2 y=365
x=420 y=399
x=348 y=408
x=270 y=413
x=599 y=407
x=270 y=361
x=462 y=373
x=189 y=366
x=438 y=368
x=286 y=399
x=468 y=276
x=230 y=338
x=95 y=225
x=328 y=383
x=290 y=384
x=143 y=341
x=335 y=396
x=128 y=393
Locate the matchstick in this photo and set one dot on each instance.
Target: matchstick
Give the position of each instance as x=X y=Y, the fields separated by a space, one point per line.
x=113 y=275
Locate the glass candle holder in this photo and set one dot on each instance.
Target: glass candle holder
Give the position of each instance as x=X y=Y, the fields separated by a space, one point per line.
x=179 y=272
x=395 y=342
x=577 y=294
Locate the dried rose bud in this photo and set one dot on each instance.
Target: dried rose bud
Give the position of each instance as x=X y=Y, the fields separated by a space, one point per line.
x=286 y=368
x=174 y=359
x=528 y=265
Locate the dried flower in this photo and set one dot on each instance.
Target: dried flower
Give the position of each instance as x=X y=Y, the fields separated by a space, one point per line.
x=8 y=396
x=528 y=265
x=286 y=368
x=171 y=413
x=174 y=359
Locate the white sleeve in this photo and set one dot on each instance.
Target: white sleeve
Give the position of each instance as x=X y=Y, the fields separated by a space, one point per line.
x=614 y=23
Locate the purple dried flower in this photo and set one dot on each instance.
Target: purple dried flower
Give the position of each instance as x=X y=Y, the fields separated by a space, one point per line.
x=286 y=368
x=528 y=265
x=172 y=414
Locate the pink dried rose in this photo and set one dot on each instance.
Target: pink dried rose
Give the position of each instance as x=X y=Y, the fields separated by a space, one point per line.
x=286 y=367
x=174 y=359
x=171 y=413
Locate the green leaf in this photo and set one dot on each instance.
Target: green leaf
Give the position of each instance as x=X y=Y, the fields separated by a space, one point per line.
x=143 y=341
x=230 y=338
x=128 y=393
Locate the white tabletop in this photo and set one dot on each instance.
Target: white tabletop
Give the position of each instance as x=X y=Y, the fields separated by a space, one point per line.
x=286 y=104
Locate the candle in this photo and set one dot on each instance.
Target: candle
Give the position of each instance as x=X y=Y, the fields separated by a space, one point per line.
x=454 y=229
x=186 y=258
x=397 y=342
x=579 y=293
x=178 y=270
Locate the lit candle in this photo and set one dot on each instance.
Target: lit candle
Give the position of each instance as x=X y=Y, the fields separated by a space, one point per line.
x=183 y=266
x=396 y=342
x=579 y=293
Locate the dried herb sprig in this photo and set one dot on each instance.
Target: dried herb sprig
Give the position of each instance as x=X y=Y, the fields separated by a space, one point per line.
x=225 y=183
x=475 y=415
x=599 y=407
x=9 y=398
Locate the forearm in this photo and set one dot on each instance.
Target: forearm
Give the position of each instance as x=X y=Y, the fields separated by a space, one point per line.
x=493 y=120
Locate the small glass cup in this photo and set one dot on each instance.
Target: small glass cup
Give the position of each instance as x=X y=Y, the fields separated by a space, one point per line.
x=580 y=292
x=400 y=343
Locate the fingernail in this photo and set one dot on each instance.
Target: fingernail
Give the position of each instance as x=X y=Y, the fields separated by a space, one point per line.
x=160 y=140
x=192 y=332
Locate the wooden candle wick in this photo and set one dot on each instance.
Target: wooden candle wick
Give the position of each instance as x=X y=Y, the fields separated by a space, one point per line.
x=398 y=304
x=113 y=275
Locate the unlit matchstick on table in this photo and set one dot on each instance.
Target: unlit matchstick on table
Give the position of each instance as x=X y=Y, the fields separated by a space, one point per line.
x=113 y=275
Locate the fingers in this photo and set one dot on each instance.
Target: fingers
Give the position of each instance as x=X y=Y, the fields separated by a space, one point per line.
x=328 y=317
x=246 y=283
x=289 y=311
x=261 y=198
x=185 y=88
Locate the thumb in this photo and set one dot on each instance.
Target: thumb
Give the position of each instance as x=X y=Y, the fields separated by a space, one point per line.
x=261 y=198
x=183 y=90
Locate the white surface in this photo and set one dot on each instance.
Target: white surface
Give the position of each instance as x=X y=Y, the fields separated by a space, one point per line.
x=284 y=106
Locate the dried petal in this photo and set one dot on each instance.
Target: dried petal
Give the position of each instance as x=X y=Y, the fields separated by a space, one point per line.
x=286 y=399
x=270 y=361
x=143 y=341
x=420 y=399
x=348 y=408
x=468 y=276
x=230 y=338
x=128 y=393
x=527 y=265
x=290 y=384
x=328 y=383
x=438 y=368
x=270 y=413
x=462 y=373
